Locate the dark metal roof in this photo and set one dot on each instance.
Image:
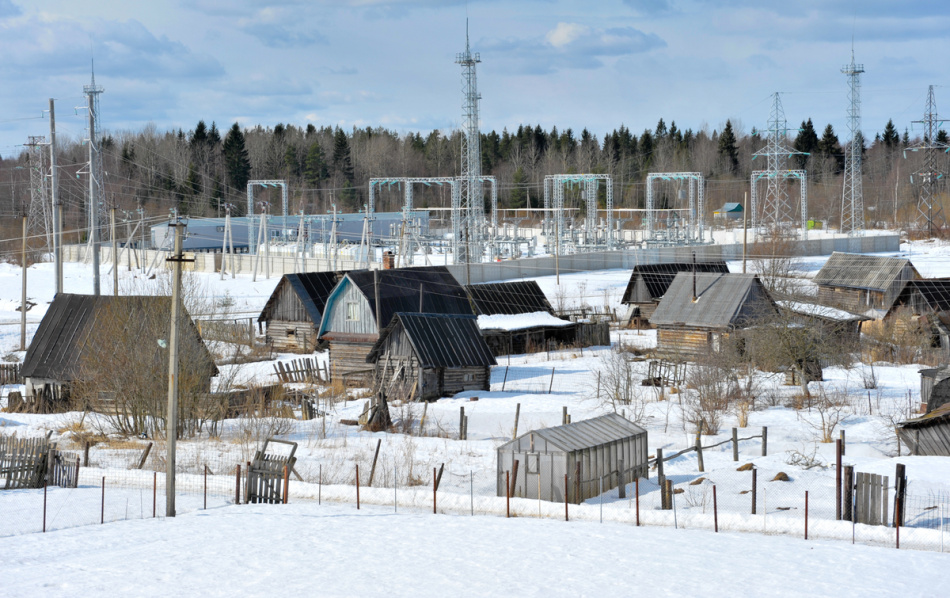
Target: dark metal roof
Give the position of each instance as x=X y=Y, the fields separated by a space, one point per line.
x=313 y=288
x=439 y=340
x=859 y=271
x=73 y=322
x=521 y=297
x=935 y=293
x=723 y=300
x=399 y=291
x=588 y=433
x=658 y=277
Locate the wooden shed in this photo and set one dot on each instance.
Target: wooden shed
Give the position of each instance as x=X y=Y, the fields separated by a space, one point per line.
x=699 y=311
x=429 y=356
x=835 y=325
x=928 y=435
x=927 y=301
x=649 y=282
x=517 y=297
x=609 y=448
x=865 y=284
x=350 y=317
x=934 y=388
x=293 y=312
x=82 y=334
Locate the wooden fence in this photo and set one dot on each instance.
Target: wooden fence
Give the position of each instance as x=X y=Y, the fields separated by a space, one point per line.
x=9 y=373
x=268 y=475
x=33 y=462
x=239 y=330
x=304 y=370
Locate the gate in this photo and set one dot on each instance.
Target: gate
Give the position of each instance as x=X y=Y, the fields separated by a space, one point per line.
x=870 y=499
x=269 y=473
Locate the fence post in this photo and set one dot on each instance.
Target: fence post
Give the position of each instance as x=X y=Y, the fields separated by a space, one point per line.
x=206 y=489
x=237 y=485
x=843 y=444
x=897 y=523
x=715 y=511
x=505 y=379
x=357 y=486
x=848 y=489
x=637 y=490
x=838 y=479
x=44 y=507
x=551 y=385
x=621 y=486
x=806 y=514
x=507 y=493
x=735 y=444
x=564 y=415
x=435 y=489
x=699 y=454
x=765 y=442
x=514 y=433
x=102 y=512
x=565 y=498
x=462 y=423
x=660 y=478
x=287 y=484
x=900 y=488
x=753 y=490
x=155 y=491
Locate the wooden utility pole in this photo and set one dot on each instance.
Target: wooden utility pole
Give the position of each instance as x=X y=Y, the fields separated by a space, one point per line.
x=54 y=194
x=171 y=425
x=745 y=200
x=93 y=197
x=23 y=292
x=115 y=253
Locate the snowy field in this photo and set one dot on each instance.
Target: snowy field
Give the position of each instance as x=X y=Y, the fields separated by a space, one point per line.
x=493 y=558
x=310 y=550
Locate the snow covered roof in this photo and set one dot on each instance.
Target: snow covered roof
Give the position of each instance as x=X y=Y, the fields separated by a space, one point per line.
x=536 y=319
x=820 y=311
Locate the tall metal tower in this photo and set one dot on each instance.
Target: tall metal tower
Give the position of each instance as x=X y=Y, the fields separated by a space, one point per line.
x=92 y=92
x=852 y=197
x=38 y=220
x=929 y=209
x=776 y=210
x=468 y=213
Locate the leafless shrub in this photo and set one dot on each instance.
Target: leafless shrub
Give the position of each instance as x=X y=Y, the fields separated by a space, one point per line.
x=831 y=407
x=618 y=387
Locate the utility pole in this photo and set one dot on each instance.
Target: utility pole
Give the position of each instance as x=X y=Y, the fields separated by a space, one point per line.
x=23 y=292
x=171 y=425
x=745 y=229
x=93 y=197
x=115 y=253
x=54 y=194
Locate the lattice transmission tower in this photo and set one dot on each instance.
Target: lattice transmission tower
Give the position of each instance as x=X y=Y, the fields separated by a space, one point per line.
x=852 y=197
x=776 y=209
x=468 y=213
x=39 y=216
x=930 y=214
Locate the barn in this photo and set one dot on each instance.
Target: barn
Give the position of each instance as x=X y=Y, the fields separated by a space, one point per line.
x=649 y=282
x=351 y=321
x=429 y=356
x=609 y=448
x=864 y=284
x=928 y=435
x=80 y=335
x=293 y=312
x=700 y=311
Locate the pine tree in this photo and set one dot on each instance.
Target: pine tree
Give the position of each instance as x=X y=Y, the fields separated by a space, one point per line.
x=341 y=156
x=830 y=147
x=518 y=196
x=806 y=142
x=891 y=138
x=728 y=148
x=315 y=166
x=237 y=166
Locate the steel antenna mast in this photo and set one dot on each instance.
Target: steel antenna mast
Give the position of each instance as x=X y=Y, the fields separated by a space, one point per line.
x=467 y=209
x=852 y=197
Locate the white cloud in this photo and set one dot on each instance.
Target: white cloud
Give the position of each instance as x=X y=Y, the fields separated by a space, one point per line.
x=566 y=33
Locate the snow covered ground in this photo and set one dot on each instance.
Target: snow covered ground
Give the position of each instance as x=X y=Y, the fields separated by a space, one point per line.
x=328 y=453
x=309 y=550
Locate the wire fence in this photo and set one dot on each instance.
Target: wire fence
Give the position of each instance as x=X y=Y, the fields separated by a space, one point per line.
x=112 y=487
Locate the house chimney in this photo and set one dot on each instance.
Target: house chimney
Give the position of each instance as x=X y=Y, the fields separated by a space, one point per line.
x=389 y=260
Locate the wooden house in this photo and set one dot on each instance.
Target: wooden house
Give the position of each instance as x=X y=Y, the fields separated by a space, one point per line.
x=927 y=302
x=838 y=326
x=928 y=435
x=106 y=341
x=649 y=282
x=294 y=310
x=352 y=320
x=429 y=356
x=699 y=311
x=864 y=284
x=516 y=317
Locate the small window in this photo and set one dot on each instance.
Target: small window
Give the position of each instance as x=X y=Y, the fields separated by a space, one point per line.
x=352 y=311
x=220 y=229
x=468 y=377
x=532 y=462
x=291 y=332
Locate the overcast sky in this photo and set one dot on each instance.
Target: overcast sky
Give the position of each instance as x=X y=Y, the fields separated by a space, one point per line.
x=391 y=63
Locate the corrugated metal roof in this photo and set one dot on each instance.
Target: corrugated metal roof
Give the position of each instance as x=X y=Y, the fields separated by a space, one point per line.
x=723 y=300
x=859 y=271
x=934 y=291
x=313 y=288
x=520 y=297
x=72 y=322
x=399 y=291
x=439 y=340
x=659 y=277
x=588 y=433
